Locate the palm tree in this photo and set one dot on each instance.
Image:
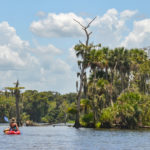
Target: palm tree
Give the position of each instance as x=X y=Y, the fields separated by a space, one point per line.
x=82 y=51
x=139 y=68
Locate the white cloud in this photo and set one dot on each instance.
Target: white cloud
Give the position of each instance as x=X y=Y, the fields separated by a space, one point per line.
x=44 y=50
x=16 y=61
x=9 y=37
x=10 y=58
x=46 y=54
x=140 y=35
x=11 y=48
x=111 y=27
x=60 y=67
x=61 y=25
x=127 y=14
x=40 y=68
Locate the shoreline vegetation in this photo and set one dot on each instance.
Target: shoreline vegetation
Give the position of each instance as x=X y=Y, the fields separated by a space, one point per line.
x=117 y=88
x=113 y=91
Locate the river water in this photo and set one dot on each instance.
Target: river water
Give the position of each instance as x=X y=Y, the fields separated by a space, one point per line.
x=68 y=138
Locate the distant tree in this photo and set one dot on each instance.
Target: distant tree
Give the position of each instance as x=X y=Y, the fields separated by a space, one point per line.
x=16 y=92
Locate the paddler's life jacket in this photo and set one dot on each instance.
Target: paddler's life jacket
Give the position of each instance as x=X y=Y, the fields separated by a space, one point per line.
x=13 y=128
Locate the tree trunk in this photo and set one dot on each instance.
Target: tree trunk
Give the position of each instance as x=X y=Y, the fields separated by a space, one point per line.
x=18 y=111
x=17 y=96
x=94 y=98
x=77 y=122
x=111 y=101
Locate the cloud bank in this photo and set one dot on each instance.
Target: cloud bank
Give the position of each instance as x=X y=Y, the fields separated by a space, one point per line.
x=61 y=25
x=39 y=67
x=47 y=67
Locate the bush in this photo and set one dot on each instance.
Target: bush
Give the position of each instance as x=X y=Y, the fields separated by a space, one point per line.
x=44 y=120
x=87 y=118
x=98 y=125
x=72 y=110
x=107 y=117
x=25 y=117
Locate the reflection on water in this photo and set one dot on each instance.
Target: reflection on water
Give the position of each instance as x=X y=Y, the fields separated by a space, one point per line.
x=68 y=138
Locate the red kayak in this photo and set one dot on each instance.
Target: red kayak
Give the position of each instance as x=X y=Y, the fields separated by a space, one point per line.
x=12 y=132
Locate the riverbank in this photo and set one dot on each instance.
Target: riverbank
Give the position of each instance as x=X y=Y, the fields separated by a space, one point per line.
x=72 y=125
x=48 y=124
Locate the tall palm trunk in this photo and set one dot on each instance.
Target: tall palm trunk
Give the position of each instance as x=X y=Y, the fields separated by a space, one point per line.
x=17 y=110
x=17 y=96
x=85 y=51
x=94 y=97
x=77 y=122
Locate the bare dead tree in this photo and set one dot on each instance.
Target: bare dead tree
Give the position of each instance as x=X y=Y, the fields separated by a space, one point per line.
x=16 y=92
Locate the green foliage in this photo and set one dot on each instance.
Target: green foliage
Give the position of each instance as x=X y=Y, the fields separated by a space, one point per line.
x=25 y=117
x=7 y=107
x=107 y=117
x=72 y=110
x=87 y=118
x=84 y=102
x=48 y=107
x=130 y=111
x=98 y=125
x=118 y=87
x=44 y=119
x=71 y=121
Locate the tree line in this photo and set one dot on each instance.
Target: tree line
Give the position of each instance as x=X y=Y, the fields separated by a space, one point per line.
x=116 y=92
x=47 y=106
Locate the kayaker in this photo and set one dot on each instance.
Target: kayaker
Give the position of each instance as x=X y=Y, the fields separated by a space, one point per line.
x=13 y=125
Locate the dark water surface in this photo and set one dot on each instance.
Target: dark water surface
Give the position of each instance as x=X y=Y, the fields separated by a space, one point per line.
x=68 y=138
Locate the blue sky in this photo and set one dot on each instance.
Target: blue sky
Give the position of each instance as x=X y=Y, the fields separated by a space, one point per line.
x=37 y=37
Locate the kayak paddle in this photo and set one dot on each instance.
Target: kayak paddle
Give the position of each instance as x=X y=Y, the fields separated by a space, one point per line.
x=6 y=119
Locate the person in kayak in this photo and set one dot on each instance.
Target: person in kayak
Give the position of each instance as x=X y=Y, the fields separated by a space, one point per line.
x=13 y=125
